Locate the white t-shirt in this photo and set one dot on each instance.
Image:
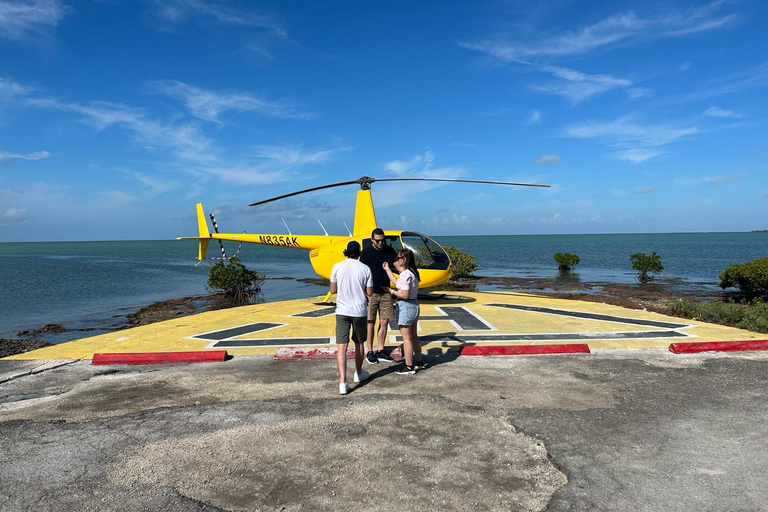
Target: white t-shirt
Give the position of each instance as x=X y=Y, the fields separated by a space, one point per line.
x=351 y=278
x=407 y=281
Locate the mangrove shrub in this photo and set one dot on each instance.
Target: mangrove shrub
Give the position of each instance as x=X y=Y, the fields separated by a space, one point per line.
x=566 y=261
x=750 y=278
x=463 y=264
x=645 y=263
x=752 y=317
x=234 y=280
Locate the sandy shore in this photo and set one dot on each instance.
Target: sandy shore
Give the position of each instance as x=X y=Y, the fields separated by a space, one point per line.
x=650 y=296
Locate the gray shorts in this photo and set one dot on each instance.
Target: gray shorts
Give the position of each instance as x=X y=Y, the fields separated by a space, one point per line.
x=359 y=329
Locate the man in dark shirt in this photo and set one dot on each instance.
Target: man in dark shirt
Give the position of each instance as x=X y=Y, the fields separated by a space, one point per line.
x=381 y=301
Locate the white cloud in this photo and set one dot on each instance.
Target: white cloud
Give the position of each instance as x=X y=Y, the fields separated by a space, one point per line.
x=578 y=86
x=714 y=180
x=403 y=167
x=639 y=92
x=643 y=190
x=685 y=66
x=420 y=166
x=534 y=118
x=243 y=175
x=456 y=220
x=179 y=11
x=290 y=156
x=713 y=111
x=186 y=140
x=756 y=76
x=10 y=89
x=22 y=18
x=37 y=155
x=637 y=155
x=278 y=162
x=626 y=28
x=257 y=48
x=624 y=129
x=717 y=180
x=14 y=214
x=547 y=159
x=116 y=197
x=153 y=185
x=208 y=105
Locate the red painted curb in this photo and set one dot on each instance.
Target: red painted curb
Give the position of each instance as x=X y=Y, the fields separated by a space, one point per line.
x=718 y=346
x=160 y=357
x=511 y=350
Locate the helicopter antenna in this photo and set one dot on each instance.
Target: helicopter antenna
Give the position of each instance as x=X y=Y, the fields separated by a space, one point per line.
x=321 y=225
x=345 y=225
x=366 y=181
x=216 y=229
x=286 y=226
x=221 y=245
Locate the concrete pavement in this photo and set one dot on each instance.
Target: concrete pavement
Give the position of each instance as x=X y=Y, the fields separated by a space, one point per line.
x=612 y=430
x=629 y=426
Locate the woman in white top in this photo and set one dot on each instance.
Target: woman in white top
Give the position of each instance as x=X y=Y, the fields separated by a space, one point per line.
x=407 y=311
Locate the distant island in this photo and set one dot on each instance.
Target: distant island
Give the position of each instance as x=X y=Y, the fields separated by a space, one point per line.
x=759 y=231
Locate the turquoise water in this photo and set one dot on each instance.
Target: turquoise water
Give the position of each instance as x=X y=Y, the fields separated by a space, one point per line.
x=691 y=257
x=93 y=284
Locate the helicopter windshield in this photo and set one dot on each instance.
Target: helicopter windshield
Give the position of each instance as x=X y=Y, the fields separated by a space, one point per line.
x=428 y=253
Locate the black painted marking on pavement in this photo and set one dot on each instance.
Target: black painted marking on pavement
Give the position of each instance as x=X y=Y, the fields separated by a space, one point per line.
x=594 y=316
x=235 y=331
x=471 y=338
x=461 y=317
x=268 y=342
x=316 y=313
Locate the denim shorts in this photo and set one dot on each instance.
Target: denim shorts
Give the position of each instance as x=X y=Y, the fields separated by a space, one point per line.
x=407 y=311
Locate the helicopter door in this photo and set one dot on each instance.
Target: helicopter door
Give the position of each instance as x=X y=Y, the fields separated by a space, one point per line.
x=428 y=253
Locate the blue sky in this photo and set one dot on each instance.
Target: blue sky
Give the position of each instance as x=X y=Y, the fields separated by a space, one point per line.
x=116 y=117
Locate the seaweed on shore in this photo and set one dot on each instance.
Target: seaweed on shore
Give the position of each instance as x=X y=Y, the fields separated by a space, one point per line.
x=13 y=347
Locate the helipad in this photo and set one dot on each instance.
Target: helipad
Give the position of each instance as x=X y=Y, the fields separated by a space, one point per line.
x=448 y=320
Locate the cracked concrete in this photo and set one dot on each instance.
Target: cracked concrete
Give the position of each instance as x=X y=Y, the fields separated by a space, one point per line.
x=615 y=430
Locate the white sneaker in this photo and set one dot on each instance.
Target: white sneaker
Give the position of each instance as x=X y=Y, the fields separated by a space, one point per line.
x=363 y=375
x=343 y=388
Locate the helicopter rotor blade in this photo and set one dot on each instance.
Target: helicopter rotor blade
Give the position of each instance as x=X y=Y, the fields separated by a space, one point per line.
x=365 y=183
x=465 y=181
x=302 y=192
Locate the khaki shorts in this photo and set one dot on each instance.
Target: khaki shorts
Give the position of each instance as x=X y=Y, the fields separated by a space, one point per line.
x=381 y=303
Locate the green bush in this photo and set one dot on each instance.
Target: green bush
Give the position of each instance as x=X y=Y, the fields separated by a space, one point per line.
x=645 y=263
x=750 y=278
x=463 y=264
x=234 y=280
x=752 y=317
x=566 y=260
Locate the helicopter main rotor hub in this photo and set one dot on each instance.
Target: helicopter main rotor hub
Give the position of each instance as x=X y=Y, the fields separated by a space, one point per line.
x=365 y=182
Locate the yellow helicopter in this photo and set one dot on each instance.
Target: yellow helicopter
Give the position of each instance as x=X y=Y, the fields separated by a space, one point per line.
x=326 y=250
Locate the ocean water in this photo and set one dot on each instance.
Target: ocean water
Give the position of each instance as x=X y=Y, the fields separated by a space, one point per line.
x=95 y=284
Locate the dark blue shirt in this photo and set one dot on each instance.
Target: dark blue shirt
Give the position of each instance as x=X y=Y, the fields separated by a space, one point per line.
x=374 y=258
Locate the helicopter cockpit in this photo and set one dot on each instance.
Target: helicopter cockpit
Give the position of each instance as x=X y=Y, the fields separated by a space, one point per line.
x=429 y=255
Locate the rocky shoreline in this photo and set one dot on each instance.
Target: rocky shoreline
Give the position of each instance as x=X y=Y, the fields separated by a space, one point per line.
x=651 y=296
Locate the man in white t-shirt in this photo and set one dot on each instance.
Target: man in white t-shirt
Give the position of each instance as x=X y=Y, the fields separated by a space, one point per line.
x=352 y=283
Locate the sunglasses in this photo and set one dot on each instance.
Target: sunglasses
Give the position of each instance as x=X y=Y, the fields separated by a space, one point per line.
x=400 y=258
x=377 y=240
